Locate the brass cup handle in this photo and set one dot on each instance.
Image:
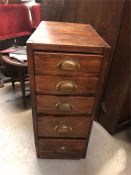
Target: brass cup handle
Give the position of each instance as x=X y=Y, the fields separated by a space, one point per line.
x=62 y=129
x=69 y=65
x=64 y=107
x=66 y=86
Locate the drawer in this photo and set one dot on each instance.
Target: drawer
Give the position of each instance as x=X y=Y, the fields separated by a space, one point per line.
x=73 y=127
x=60 y=148
x=64 y=105
x=67 y=64
x=65 y=85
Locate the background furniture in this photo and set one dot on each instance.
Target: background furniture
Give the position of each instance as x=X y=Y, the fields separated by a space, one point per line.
x=10 y=1
x=111 y=19
x=36 y=14
x=18 y=72
x=15 y=29
x=67 y=64
x=115 y=111
x=15 y=24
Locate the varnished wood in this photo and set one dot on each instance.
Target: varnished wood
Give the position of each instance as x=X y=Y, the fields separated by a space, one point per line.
x=32 y=93
x=47 y=104
x=51 y=148
x=55 y=36
x=65 y=59
x=107 y=18
x=104 y=16
x=79 y=126
x=14 y=62
x=47 y=64
x=48 y=85
x=114 y=111
x=18 y=71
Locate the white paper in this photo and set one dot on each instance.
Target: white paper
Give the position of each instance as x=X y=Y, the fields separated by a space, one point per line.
x=19 y=57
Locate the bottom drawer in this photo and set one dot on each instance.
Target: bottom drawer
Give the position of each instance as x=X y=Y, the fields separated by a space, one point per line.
x=61 y=148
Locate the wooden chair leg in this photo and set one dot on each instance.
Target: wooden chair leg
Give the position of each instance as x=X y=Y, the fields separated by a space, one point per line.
x=13 y=82
x=22 y=84
x=1 y=83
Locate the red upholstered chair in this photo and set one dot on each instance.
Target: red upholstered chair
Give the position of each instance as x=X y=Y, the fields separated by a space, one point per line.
x=14 y=23
x=36 y=14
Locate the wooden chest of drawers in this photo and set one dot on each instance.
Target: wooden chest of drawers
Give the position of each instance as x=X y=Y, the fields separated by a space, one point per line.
x=67 y=68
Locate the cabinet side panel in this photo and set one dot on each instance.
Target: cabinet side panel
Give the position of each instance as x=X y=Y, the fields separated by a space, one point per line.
x=30 y=56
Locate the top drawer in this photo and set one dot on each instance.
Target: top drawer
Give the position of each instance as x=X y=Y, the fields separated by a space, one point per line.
x=67 y=64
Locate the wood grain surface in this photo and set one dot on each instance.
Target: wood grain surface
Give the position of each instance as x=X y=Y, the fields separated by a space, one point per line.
x=60 y=148
x=47 y=63
x=51 y=85
x=47 y=104
x=69 y=37
x=68 y=126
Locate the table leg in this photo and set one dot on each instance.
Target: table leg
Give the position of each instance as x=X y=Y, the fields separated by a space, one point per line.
x=12 y=81
x=1 y=84
x=22 y=84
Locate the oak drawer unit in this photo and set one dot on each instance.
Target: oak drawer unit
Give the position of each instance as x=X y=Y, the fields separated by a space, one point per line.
x=67 y=67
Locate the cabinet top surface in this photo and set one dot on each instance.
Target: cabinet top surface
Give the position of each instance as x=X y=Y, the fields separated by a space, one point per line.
x=66 y=36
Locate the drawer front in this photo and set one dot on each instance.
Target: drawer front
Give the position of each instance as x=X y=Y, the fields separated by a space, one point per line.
x=64 y=105
x=66 y=64
x=64 y=126
x=60 y=148
x=65 y=85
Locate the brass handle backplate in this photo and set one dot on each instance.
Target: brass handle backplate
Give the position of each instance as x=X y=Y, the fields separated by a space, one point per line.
x=64 y=107
x=66 y=86
x=69 y=65
x=62 y=129
x=62 y=149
